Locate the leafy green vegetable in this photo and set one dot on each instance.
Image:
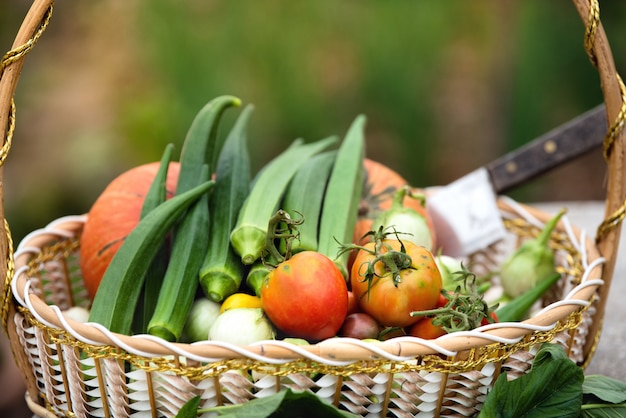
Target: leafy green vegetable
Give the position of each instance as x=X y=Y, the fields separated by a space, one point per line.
x=190 y=409
x=552 y=388
x=603 y=397
x=285 y=404
x=604 y=388
x=603 y=410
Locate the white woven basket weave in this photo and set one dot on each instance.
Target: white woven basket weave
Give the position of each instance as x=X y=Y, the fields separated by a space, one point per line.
x=76 y=369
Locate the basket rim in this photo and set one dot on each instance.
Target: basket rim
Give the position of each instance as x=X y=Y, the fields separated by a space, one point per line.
x=337 y=351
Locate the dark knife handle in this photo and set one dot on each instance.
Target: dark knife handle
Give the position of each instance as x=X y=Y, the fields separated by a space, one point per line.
x=558 y=146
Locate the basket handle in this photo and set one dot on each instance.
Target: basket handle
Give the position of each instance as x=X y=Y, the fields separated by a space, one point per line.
x=31 y=29
x=29 y=33
x=614 y=92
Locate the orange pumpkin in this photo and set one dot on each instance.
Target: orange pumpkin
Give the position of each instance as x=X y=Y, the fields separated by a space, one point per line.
x=379 y=188
x=113 y=215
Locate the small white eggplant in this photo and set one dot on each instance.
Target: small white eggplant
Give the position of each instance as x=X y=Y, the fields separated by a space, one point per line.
x=532 y=262
x=451 y=269
x=409 y=224
x=242 y=326
x=201 y=317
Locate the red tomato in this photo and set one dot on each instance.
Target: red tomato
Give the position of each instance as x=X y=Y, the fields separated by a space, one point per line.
x=353 y=304
x=494 y=318
x=442 y=301
x=425 y=329
x=390 y=302
x=306 y=296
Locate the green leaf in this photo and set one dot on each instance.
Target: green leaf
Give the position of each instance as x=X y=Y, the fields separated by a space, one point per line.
x=605 y=388
x=553 y=387
x=189 y=409
x=284 y=404
x=603 y=410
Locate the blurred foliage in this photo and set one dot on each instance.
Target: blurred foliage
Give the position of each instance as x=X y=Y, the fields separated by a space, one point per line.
x=446 y=86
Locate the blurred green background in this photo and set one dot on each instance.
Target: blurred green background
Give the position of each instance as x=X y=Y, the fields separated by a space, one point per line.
x=447 y=86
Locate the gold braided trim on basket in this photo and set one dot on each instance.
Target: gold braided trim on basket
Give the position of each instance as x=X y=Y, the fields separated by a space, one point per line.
x=9 y=58
x=6 y=146
x=58 y=250
x=594 y=346
x=6 y=295
x=474 y=359
x=618 y=124
x=18 y=53
x=593 y=22
x=612 y=221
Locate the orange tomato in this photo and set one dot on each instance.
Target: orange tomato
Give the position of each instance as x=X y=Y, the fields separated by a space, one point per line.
x=390 y=300
x=425 y=329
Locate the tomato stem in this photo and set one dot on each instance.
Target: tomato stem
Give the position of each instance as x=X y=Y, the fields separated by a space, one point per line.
x=406 y=190
x=281 y=226
x=394 y=261
x=465 y=309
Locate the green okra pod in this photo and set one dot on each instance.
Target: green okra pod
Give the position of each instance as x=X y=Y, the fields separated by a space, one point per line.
x=181 y=277
x=343 y=195
x=248 y=236
x=305 y=197
x=116 y=299
x=156 y=195
x=222 y=270
x=200 y=145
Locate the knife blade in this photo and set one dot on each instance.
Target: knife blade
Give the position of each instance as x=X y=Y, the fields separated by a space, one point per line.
x=558 y=146
x=465 y=212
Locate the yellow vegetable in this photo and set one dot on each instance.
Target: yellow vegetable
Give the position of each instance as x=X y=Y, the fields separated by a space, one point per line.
x=240 y=300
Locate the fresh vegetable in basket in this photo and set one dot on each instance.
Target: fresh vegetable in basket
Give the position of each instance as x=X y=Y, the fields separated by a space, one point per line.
x=463 y=309
x=412 y=224
x=241 y=300
x=189 y=245
x=113 y=215
x=343 y=196
x=157 y=194
x=202 y=315
x=305 y=195
x=116 y=298
x=380 y=184
x=241 y=326
x=391 y=278
x=518 y=308
x=531 y=263
x=191 y=236
x=450 y=269
x=179 y=285
x=305 y=295
x=361 y=326
x=248 y=236
x=221 y=272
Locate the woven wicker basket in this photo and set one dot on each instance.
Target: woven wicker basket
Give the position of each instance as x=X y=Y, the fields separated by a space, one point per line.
x=76 y=369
